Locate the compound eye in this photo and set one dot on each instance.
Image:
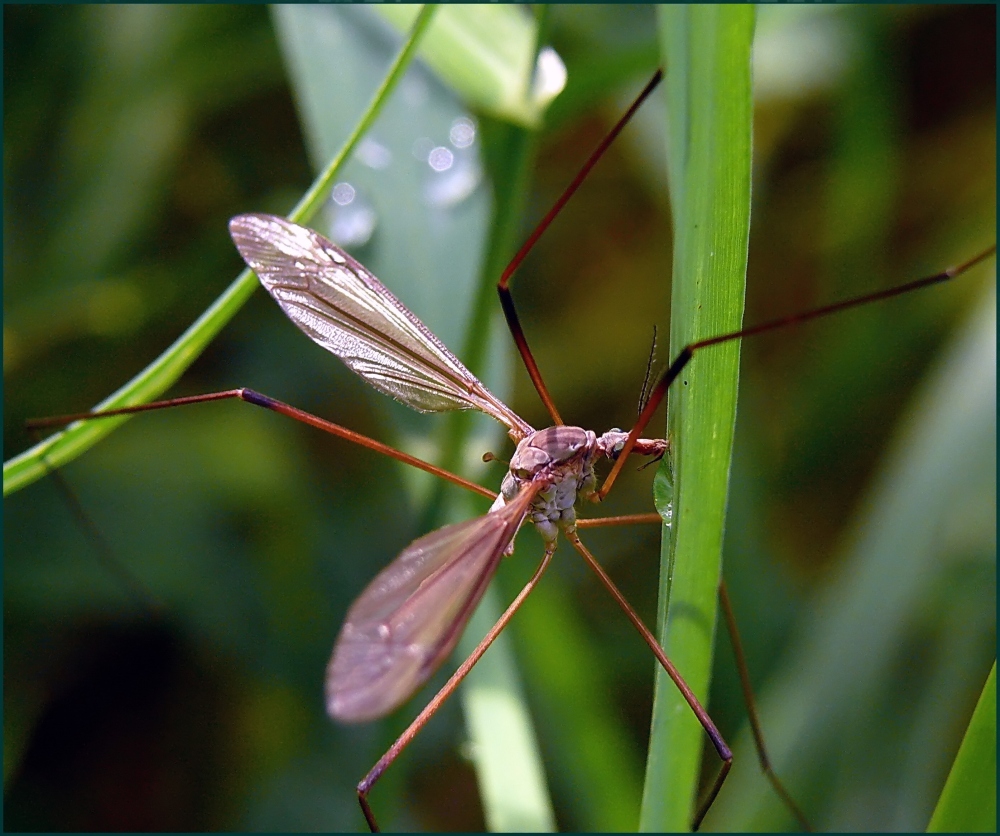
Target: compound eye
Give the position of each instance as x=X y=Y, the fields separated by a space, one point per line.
x=620 y=445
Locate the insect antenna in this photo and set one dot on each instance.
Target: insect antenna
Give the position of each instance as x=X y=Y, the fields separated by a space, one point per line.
x=644 y=392
x=659 y=390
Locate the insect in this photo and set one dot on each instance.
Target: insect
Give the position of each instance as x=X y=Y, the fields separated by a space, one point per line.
x=409 y=619
x=243 y=520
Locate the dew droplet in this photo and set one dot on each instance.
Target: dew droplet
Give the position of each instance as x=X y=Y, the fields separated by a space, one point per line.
x=448 y=186
x=440 y=158
x=343 y=194
x=351 y=219
x=463 y=132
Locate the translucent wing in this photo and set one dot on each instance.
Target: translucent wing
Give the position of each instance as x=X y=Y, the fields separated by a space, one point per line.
x=345 y=309
x=409 y=618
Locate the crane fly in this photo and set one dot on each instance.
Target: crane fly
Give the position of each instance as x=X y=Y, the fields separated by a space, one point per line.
x=410 y=617
x=408 y=620
x=469 y=551
x=406 y=623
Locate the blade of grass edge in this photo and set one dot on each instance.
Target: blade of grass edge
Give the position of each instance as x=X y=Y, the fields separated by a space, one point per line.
x=709 y=105
x=968 y=802
x=159 y=375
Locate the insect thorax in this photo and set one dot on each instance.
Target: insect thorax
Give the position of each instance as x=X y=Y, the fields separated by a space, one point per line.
x=562 y=459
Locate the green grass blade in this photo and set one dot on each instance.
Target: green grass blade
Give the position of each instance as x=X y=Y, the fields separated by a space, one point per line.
x=968 y=802
x=157 y=377
x=707 y=61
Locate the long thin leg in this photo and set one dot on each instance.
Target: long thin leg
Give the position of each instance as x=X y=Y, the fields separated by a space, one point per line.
x=737 y=645
x=507 y=301
x=257 y=399
x=689 y=697
x=686 y=353
x=446 y=691
x=748 y=699
x=624 y=519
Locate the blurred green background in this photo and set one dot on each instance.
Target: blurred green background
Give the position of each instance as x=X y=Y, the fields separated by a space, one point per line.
x=133 y=133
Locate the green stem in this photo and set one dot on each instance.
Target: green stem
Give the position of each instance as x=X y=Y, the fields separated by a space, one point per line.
x=709 y=103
